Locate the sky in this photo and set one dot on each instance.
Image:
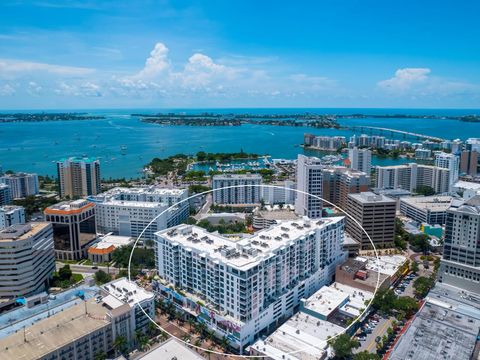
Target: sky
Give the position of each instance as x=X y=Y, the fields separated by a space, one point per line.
x=89 y=54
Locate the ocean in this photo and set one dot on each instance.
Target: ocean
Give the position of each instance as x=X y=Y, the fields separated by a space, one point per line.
x=35 y=146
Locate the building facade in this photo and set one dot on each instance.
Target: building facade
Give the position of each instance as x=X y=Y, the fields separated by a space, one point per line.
x=339 y=181
x=360 y=159
x=247 y=287
x=412 y=176
x=450 y=162
x=78 y=177
x=5 y=196
x=27 y=259
x=376 y=214
x=469 y=163
x=309 y=180
x=426 y=209
x=460 y=265
x=128 y=211
x=246 y=190
x=11 y=215
x=283 y=193
x=73 y=228
x=21 y=184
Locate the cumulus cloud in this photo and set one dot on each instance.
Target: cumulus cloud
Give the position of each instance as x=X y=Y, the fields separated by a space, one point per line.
x=405 y=78
x=33 y=88
x=82 y=89
x=7 y=90
x=156 y=63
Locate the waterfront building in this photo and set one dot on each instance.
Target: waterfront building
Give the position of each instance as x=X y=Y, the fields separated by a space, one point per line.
x=128 y=211
x=73 y=228
x=27 y=259
x=412 y=176
x=79 y=323
x=284 y=195
x=309 y=181
x=423 y=154
x=78 y=177
x=21 y=184
x=469 y=161
x=326 y=143
x=244 y=288
x=376 y=214
x=11 y=215
x=360 y=159
x=247 y=191
x=101 y=251
x=426 y=209
x=460 y=264
x=339 y=181
x=450 y=162
x=445 y=327
x=5 y=196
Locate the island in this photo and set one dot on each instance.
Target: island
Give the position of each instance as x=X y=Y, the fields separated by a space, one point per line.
x=40 y=117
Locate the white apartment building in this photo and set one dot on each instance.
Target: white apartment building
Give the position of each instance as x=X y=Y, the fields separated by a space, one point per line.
x=310 y=181
x=426 y=209
x=423 y=154
x=21 y=184
x=242 y=289
x=127 y=211
x=450 y=162
x=11 y=215
x=244 y=194
x=283 y=193
x=360 y=159
x=27 y=259
x=411 y=176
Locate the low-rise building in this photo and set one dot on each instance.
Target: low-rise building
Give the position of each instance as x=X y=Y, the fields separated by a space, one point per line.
x=426 y=209
x=101 y=251
x=272 y=215
x=172 y=349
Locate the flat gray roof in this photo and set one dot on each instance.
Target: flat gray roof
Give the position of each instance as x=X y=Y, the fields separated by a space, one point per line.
x=170 y=349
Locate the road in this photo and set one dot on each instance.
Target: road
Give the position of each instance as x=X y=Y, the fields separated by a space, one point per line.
x=87 y=269
x=381 y=329
x=205 y=208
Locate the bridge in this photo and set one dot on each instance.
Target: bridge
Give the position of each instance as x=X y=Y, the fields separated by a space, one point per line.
x=405 y=133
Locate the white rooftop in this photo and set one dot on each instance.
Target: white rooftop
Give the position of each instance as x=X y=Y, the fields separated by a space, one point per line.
x=172 y=349
x=302 y=337
x=149 y=190
x=124 y=291
x=115 y=240
x=248 y=251
x=432 y=203
x=138 y=204
x=386 y=264
x=467 y=185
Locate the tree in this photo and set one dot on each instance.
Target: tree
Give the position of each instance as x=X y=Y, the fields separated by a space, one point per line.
x=406 y=304
x=100 y=355
x=414 y=267
x=343 y=346
x=101 y=277
x=120 y=345
x=365 y=355
x=425 y=190
x=65 y=273
x=224 y=343
x=422 y=286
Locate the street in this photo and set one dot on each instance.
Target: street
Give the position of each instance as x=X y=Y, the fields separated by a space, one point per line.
x=87 y=269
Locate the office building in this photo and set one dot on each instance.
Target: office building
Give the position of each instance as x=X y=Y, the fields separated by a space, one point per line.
x=248 y=286
x=469 y=163
x=27 y=259
x=128 y=211
x=426 y=209
x=73 y=228
x=309 y=182
x=376 y=214
x=11 y=215
x=78 y=177
x=412 y=176
x=244 y=189
x=340 y=181
x=80 y=323
x=360 y=159
x=21 y=184
x=283 y=193
x=460 y=265
x=5 y=196
x=450 y=162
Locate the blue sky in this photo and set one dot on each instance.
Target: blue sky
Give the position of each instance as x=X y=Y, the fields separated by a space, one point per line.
x=200 y=54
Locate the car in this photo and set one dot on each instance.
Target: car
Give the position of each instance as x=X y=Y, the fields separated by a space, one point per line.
x=378 y=339
x=94 y=267
x=362 y=338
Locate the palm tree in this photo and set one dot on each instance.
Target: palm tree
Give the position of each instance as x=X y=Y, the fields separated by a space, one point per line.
x=224 y=343
x=120 y=344
x=100 y=355
x=191 y=324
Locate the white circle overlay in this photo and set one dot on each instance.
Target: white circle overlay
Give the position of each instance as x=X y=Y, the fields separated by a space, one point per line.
x=260 y=186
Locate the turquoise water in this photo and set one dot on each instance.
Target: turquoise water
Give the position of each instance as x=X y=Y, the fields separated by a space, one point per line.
x=36 y=146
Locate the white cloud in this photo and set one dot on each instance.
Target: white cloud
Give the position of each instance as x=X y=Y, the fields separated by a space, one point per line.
x=156 y=63
x=33 y=88
x=405 y=79
x=6 y=90
x=82 y=89
x=20 y=67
